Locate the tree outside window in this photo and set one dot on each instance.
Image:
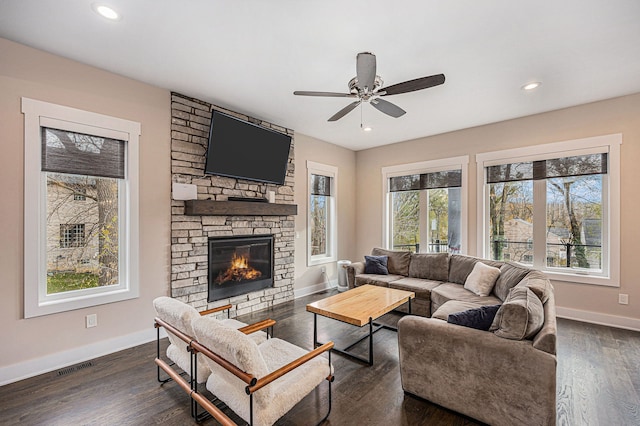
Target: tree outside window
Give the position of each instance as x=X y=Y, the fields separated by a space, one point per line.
x=321 y=220
x=86 y=253
x=319 y=225
x=572 y=196
x=425 y=212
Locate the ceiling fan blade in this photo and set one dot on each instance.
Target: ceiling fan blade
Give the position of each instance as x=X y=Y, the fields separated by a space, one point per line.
x=344 y=111
x=329 y=94
x=366 y=70
x=413 y=85
x=387 y=107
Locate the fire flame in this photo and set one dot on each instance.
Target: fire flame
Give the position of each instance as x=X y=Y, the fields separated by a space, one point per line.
x=238 y=271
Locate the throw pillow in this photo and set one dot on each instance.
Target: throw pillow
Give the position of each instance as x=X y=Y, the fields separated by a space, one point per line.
x=376 y=265
x=521 y=316
x=479 y=318
x=482 y=279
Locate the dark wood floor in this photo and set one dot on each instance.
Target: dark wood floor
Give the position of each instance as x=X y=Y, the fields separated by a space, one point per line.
x=598 y=383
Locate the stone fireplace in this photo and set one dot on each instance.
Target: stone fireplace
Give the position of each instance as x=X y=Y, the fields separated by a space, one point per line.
x=192 y=229
x=239 y=265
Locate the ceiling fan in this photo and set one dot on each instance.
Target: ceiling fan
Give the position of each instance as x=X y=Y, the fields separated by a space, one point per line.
x=366 y=86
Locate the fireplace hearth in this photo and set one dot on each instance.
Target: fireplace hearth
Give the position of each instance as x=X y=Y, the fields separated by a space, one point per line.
x=239 y=265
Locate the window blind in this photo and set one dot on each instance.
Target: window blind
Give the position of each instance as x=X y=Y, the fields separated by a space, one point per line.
x=81 y=154
x=434 y=180
x=320 y=185
x=580 y=165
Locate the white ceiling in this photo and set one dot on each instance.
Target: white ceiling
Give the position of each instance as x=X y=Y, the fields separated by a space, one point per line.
x=250 y=55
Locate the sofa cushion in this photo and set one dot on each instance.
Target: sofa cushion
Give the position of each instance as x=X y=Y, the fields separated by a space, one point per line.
x=422 y=288
x=376 y=265
x=460 y=266
x=482 y=279
x=450 y=291
x=539 y=284
x=521 y=315
x=375 y=279
x=431 y=266
x=451 y=307
x=510 y=275
x=479 y=318
x=398 y=260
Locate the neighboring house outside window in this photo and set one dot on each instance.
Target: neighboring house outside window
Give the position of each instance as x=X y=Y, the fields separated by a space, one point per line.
x=322 y=226
x=425 y=207
x=554 y=207
x=72 y=235
x=81 y=240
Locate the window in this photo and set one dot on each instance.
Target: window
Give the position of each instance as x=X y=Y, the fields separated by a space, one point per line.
x=79 y=254
x=321 y=213
x=80 y=195
x=554 y=207
x=71 y=236
x=424 y=207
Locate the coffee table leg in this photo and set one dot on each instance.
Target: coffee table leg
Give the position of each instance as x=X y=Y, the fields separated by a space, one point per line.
x=370 y=341
x=409 y=305
x=315 y=330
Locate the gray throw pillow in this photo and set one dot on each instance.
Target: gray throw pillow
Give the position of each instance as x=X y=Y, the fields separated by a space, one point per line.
x=376 y=265
x=521 y=316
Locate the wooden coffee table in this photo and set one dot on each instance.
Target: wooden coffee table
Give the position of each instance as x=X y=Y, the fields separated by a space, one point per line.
x=359 y=306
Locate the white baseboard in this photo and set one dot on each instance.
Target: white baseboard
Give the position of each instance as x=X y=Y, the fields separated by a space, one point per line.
x=33 y=367
x=317 y=288
x=597 y=318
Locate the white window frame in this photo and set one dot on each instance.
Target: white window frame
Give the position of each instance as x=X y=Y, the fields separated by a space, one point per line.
x=39 y=114
x=332 y=219
x=610 y=275
x=430 y=166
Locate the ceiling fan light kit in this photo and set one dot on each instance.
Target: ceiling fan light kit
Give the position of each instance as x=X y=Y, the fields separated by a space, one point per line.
x=366 y=86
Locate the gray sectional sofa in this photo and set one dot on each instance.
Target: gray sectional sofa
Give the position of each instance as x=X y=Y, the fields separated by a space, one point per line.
x=503 y=376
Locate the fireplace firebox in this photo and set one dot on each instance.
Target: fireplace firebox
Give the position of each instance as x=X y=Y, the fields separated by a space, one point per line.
x=239 y=265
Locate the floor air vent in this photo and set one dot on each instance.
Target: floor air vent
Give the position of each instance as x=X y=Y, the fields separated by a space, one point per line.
x=74 y=368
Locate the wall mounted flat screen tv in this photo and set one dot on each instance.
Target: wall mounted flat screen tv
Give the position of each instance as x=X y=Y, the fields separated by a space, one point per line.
x=243 y=150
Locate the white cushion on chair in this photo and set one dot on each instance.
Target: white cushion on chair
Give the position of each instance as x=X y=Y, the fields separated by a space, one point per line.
x=272 y=401
x=180 y=315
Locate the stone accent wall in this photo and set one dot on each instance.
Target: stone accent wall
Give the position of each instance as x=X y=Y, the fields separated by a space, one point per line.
x=190 y=121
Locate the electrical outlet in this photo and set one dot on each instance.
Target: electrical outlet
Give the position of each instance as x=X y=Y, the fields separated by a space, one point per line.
x=323 y=269
x=623 y=299
x=91 y=320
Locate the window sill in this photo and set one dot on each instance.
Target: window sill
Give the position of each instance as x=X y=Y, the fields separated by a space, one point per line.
x=78 y=301
x=321 y=261
x=581 y=278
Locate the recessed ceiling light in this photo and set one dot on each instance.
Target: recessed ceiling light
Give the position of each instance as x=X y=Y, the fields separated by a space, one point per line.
x=366 y=128
x=531 y=86
x=106 y=12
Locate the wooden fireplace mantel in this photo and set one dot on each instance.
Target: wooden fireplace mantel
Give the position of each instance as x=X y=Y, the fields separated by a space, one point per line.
x=239 y=208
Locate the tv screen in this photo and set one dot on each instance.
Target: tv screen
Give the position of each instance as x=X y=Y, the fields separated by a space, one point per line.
x=243 y=150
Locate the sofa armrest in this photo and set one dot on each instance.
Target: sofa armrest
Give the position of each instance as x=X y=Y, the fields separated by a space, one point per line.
x=353 y=270
x=495 y=380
